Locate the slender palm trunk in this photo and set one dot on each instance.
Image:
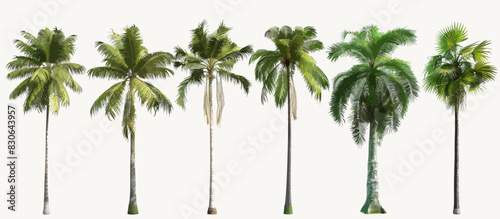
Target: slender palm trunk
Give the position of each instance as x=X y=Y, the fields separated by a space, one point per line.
x=211 y=208
x=288 y=196
x=46 y=209
x=132 y=205
x=456 y=199
x=372 y=204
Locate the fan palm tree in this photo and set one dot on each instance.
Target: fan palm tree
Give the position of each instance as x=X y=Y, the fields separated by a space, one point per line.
x=275 y=69
x=127 y=60
x=210 y=57
x=379 y=89
x=46 y=70
x=456 y=71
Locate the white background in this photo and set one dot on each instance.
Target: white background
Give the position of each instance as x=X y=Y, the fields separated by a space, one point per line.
x=329 y=170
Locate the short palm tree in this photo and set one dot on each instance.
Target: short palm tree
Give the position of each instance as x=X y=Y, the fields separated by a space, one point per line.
x=275 y=69
x=46 y=70
x=127 y=60
x=210 y=57
x=379 y=89
x=456 y=71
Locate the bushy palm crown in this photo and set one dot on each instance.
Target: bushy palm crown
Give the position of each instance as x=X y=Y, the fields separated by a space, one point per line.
x=46 y=70
x=274 y=67
x=210 y=56
x=380 y=87
x=457 y=70
x=126 y=59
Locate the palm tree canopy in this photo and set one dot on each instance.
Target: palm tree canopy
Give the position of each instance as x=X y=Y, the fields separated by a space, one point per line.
x=457 y=70
x=45 y=69
x=127 y=60
x=380 y=88
x=210 y=56
x=292 y=52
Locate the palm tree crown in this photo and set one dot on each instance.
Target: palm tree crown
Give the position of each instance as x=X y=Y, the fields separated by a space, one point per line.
x=380 y=88
x=458 y=70
x=275 y=67
x=127 y=60
x=46 y=70
x=210 y=56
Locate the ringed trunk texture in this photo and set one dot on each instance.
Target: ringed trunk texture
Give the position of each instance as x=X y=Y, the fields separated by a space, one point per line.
x=372 y=204
x=46 y=209
x=288 y=197
x=211 y=208
x=132 y=205
x=456 y=198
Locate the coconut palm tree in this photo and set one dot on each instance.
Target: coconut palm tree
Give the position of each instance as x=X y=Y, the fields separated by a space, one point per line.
x=379 y=89
x=127 y=60
x=275 y=69
x=46 y=70
x=210 y=57
x=453 y=73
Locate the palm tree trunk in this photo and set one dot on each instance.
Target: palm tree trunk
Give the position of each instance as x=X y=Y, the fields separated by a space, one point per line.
x=372 y=204
x=211 y=208
x=456 y=199
x=288 y=196
x=132 y=205
x=46 y=209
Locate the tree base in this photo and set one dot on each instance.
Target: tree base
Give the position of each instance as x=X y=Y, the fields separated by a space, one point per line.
x=212 y=211
x=456 y=211
x=288 y=209
x=372 y=207
x=46 y=210
x=132 y=209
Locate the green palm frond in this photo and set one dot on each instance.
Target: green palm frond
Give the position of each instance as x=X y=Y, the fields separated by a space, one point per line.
x=450 y=37
x=132 y=50
x=150 y=96
x=128 y=121
x=151 y=66
x=234 y=78
x=196 y=77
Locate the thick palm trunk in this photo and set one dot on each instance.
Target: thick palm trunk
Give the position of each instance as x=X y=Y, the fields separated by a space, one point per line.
x=456 y=204
x=132 y=205
x=211 y=208
x=372 y=204
x=288 y=196
x=46 y=209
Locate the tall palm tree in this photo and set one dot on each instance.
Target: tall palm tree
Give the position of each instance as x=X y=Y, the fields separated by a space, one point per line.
x=210 y=57
x=46 y=70
x=127 y=60
x=379 y=89
x=456 y=71
x=275 y=69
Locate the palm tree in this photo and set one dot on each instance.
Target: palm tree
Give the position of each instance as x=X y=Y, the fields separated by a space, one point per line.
x=127 y=60
x=210 y=57
x=275 y=69
x=46 y=70
x=453 y=73
x=379 y=89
